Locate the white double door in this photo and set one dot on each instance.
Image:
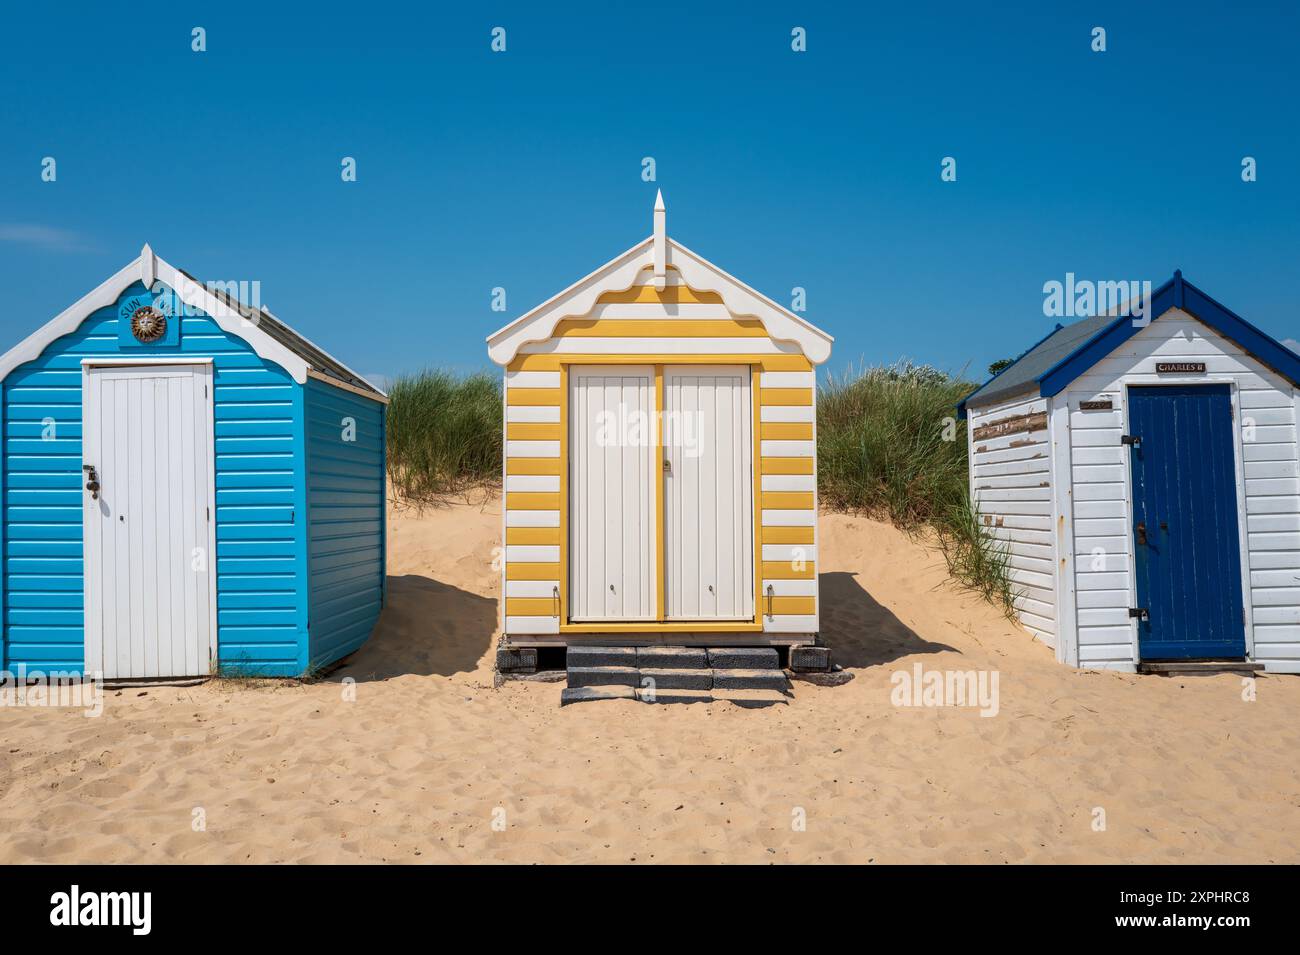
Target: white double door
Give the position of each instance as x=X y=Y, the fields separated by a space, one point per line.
x=706 y=472
x=148 y=529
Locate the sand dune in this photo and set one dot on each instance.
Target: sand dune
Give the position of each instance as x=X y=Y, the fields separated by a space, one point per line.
x=428 y=756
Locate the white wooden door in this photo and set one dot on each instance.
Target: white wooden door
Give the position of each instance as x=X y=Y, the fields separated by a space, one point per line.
x=149 y=538
x=708 y=494
x=611 y=501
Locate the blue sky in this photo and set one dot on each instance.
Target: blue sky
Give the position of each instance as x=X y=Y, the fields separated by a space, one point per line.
x=523 y=169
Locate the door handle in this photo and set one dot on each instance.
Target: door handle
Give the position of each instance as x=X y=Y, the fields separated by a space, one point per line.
x=92 y=481
x=1142 y=533
x=668 y=466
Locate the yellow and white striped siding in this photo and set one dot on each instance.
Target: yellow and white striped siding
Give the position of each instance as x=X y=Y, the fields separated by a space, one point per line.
x=787 y=432
x=677 y=326
x=532 y=501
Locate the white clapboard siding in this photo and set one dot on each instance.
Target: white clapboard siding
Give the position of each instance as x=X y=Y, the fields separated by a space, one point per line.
x=1011 y=488
x=784 y=413
x=532 y=449
x=789 y=482
x=532 y=379
x=531 y=588
x=1266 y=415
x=782 y=623
x=532 y=625
x=533 y=482
x=532 y=518
x=533 y=414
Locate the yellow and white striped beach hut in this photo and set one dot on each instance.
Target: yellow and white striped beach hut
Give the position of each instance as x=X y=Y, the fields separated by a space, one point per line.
x=660 y=471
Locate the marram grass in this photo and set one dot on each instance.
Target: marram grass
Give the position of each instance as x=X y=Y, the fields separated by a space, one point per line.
x=444 y=433
x=888 y=446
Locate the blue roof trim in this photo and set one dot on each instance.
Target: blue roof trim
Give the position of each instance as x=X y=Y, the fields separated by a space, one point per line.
x=1181 y=294
x=961 y=405
x=1104 y=342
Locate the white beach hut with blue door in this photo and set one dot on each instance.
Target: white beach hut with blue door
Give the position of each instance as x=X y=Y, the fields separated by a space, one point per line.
x=1142 y=474
x=189 y=486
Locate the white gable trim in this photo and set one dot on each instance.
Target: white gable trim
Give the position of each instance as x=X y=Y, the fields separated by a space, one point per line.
x=622 y=273
x=146 y=268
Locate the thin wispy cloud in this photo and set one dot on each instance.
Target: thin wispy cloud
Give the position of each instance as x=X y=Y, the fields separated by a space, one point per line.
x=44 y=237
x=1292 y=344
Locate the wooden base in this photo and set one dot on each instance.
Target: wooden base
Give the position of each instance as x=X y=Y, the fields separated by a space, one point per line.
x=1198 y=667
x=756 y=639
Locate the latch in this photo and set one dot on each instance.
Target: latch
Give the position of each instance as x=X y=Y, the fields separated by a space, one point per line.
x=92 y=481
x=771 y=597
x=1134 y=440
x=1142 y=613
x=1141 y=533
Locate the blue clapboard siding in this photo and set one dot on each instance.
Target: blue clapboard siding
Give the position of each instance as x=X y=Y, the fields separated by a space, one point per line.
x=261 y=579
x=345 y=505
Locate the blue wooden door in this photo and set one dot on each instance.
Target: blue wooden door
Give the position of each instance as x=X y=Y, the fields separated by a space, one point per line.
x=1185 y=530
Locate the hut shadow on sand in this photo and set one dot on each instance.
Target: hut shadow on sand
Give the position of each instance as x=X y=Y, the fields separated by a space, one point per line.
x=431 y=628
x=862 y=632
x=428 y=628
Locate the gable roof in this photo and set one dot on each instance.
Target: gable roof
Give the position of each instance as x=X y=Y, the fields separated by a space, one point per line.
x=267 y=335
x=660 y=254
x=1069 y=351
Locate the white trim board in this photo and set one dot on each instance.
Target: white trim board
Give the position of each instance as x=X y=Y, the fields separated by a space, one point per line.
x=636 y=267
x=146 y=268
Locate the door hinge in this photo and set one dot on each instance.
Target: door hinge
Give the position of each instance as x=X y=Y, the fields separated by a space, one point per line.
x=207 y=513
x=1130 y=439
x=1142 y=613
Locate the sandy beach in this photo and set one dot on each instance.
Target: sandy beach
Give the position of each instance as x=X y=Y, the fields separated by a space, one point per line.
x=430 y=763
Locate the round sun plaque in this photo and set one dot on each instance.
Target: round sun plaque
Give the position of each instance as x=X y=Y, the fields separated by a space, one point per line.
x=148 y=324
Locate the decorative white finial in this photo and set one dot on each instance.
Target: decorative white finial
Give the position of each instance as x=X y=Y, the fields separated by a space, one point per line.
x=148 y=267
x=661 y=242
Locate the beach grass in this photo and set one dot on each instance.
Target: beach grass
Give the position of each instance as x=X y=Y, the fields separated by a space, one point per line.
x=444 y=433
x=889 y=445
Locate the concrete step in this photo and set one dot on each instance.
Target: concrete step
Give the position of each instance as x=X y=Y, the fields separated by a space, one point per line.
x=737 y=679
x=601 y=657
x=673 y=696
x=677 y=679
x=746 y=676
x=744 y=658
x=603 y=676
x=588 y=694
x=672 y=658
